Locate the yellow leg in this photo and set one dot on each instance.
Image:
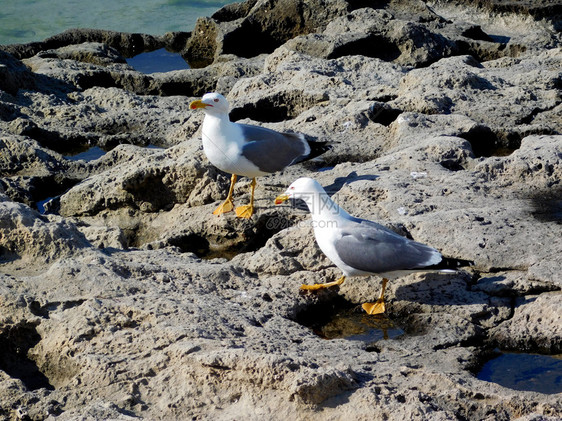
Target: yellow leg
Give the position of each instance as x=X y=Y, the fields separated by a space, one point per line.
x=248 y=210
x=377 y=307
x=227 y=205
x=321 y=286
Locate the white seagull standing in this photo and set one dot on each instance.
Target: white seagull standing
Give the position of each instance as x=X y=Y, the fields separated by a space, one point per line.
x=250 y=151
x=357 y=246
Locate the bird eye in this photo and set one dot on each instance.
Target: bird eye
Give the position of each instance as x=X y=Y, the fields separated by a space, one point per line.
x=216 y=100
x=291 y=188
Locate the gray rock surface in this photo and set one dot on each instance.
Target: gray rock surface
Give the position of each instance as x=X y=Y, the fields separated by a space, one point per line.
x=122 y=296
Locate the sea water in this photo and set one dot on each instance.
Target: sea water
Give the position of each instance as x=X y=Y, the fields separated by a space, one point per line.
x=23 y=21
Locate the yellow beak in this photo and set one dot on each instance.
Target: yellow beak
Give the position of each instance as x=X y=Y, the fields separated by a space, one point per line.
x=281 y=198
x=198 y=104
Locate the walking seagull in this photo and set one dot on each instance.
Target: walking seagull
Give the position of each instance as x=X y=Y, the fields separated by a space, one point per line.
x=358 y=247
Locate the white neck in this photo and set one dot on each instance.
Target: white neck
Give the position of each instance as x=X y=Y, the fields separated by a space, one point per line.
x=216 y=118
x=321 y=206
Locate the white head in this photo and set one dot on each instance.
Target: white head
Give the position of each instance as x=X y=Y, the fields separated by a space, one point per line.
x=301 y=188
x=212 y=103
x=311 y=192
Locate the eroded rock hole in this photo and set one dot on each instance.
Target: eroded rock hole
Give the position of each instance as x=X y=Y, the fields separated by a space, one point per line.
x=15 y=342
x=475 y=32
x=236 y=42
x=486 y=143
x=374 y=4
x=338 y=318
x=373 y=46
x=383 y=113
x=451 y=165
x=244 y=238
x=150 y=191
x=192 y=243
x=277 y=108
x=61 y=143
x=263 y=111
x=36 y=191
x=49 y=189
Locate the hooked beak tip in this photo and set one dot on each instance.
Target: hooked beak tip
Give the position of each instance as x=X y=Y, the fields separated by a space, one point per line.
x=198 y=104
x=281 y=198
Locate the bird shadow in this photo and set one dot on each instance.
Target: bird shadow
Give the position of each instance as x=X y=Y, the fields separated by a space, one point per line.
x=339 y=182
x=455 y=288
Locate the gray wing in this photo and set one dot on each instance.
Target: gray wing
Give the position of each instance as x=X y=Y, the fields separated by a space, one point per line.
x=370 y=247
x=272 y=151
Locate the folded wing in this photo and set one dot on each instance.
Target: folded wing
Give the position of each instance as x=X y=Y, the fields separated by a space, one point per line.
x=370 y=247
x=272 y=151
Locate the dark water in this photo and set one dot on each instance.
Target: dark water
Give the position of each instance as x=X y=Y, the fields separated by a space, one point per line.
x=518 y=371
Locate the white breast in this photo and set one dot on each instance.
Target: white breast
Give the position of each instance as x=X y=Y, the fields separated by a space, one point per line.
x=222 y=144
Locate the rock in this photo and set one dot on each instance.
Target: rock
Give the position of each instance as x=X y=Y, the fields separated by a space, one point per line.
x=14 y=75
x=435 y=91
x=122 y=296
x=268 y=23
x=534 y=326
x=88 y=52
x=221 y=76
x=402 y=42
x=127 y=44
x=33 y=239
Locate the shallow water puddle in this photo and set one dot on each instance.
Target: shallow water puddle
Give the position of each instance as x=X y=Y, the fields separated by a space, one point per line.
x=531 y=372
x=157 y=61
x=355 y=326
x=90 y=154
x=351 y=324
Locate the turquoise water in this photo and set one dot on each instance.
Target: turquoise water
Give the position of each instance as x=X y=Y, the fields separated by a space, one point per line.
x=23 y=21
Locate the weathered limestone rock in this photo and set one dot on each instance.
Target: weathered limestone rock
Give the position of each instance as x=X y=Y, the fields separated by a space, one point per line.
x=267 y=23
x=535 y=325
x=123 y=297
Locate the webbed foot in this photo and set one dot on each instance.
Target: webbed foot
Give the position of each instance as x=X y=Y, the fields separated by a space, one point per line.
x=224 y=207
x=245 y=211
x=378 y=306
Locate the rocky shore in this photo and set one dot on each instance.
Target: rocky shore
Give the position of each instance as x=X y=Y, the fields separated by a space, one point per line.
x=122 y=297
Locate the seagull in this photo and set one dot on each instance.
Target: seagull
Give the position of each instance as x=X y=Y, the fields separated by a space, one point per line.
x=358 y=247
x=246 y=150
